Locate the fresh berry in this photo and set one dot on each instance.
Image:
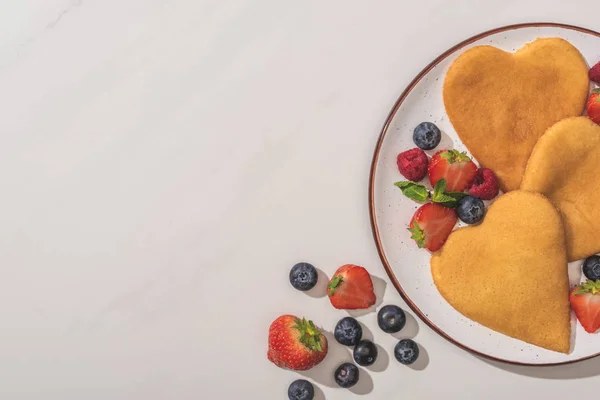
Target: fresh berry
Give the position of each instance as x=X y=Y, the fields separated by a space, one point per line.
x=455 y=167
x=301 y=389
x=346 y=375
x=595 y=73
x=485 y=184
x=406 y=351
x=585 y=301
x=593 y=106
x=413 y=164
x=296 y=343
x=431 y=225
x=470 y=209
x=351 y=288
x=365 y=353
x=391 y=318
x=348 y=331
x=591 y=268
x=303 y=276
x=427 y=136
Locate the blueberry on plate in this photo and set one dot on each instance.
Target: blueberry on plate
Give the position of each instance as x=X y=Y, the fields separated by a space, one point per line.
x=346 y=375
x=406 y=351
x=365 y=353
x=301 y=389
x=348 y=331
x=591 y=268
x=303 y=276
x=427 y=136
x=391 y=318
x=470 y=210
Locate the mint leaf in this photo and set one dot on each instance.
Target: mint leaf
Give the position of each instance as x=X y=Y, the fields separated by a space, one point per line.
x=446 y=199
x=413 y=190
x=440 y=188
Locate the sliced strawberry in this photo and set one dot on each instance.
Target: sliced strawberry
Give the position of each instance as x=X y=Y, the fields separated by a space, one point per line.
x=593 y=106
x=351 y=288
x=585 y=301
x=455 y=167
x=431 y=225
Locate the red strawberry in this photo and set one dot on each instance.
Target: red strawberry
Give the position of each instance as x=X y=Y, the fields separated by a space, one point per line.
x=593 y=106
x=351 y=288
x=296 y=343
x=455 y=167
x=431 y=225
x=485 y=184
x=585 y=301
x=595 y=73
x=412 y=164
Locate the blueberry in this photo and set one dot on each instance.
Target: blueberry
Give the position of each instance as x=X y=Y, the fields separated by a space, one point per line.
x=348 y=331
x=301 y=390
x=427 y=136
x=346 y=375
x=365 y=353
x=303 y=276
x=591 y=268
x=406 y=351
x=470 y=209
x=391 y=318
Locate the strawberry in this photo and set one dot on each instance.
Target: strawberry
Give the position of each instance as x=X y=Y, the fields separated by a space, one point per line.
x=593 y=106
x=455 y=167
x=585 y=301
x=431 y=225
x=351 y=288
x=595 y=73
x=295 y=343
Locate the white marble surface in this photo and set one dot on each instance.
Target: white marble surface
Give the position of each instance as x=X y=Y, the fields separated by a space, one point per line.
x=163 y=163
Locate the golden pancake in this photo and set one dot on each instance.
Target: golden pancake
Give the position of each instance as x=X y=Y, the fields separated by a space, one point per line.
x=564 y=167
x=500 y=103
x=510 y=272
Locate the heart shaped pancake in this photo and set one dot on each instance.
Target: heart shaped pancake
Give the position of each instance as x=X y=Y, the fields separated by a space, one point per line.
x=564 y=167
x=510 y=272
x=501 y=103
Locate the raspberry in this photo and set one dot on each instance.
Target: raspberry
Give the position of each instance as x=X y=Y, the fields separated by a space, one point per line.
x=413 y=164
x=485 y=184
x=595 y=73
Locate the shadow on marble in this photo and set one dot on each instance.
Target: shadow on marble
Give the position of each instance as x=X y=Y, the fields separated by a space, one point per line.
x=320 y=289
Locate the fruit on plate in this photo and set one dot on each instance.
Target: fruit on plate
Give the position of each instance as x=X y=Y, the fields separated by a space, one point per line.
x=594 y=73
x=591 y=267
x=296 y=343
x=431 y=224
x=346 y=375
x=365 y=353
x=412 y=164
x=348 y=331
x=593 y=106
x=455 y=167
x=420 y=193
x=485 y=185
x=391 y=318
x=303 y=276
x=585 y=302
x=427 y=136
x=406 y=351
x=470 y=210
x=351 y=288
x=301 y=389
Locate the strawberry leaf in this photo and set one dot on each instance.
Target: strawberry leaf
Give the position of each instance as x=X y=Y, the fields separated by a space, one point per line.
x=453 y=156
x=413 y=190
x=417 y=235
x=589 y=286
x=310 y=335
x=335 y=282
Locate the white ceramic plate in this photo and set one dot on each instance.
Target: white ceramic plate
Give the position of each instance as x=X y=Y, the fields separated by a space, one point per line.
x=408 y=266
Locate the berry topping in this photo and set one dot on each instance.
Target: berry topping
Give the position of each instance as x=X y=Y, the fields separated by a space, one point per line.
x=348 y=331
x=427 y=136
x=585 y=302
x=594 y=73
x=303 y=276
x=591 y=268
x=470 y=210
x=485 y=184
x=406 y=351
x=351 y=288
x=346 y=375
x=391 y=318
x=365 y=353
x=593 y=106
x=455 y=167
x=301 y=389
x=431 y=225
x=412 y=164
